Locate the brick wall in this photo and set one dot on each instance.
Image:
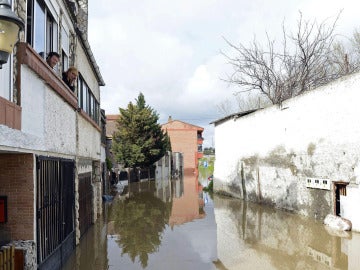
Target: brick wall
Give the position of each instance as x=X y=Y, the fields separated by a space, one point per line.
x=17 y=183
x=185 y=141
x=183 y=138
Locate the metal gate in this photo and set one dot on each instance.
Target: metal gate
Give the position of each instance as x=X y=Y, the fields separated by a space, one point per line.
x=54 y=211
x=85 y=202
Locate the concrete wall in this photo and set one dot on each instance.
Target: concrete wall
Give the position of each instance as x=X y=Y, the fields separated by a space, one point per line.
x=48 y=122
x=267 y=156
x=60 y=125
x=88 y=140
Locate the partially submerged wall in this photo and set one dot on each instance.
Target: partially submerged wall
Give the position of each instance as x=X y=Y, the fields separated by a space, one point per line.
x=269 y=155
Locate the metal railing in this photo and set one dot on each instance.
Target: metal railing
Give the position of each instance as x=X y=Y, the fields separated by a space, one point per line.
x=54 y=204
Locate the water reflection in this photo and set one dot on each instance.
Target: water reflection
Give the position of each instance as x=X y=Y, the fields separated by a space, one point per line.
x=174 y=225
x=143 y=219
x=91 y=253
x=138 y=222
x=257 y=237
x=190 y=205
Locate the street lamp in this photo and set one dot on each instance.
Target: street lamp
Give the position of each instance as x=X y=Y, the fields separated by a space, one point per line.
x=10 y=25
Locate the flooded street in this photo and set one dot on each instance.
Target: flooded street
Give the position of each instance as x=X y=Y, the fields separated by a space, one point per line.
x=175 y=225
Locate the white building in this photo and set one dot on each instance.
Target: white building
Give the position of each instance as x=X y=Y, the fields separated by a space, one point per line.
x=303 y=156
x=50 y=137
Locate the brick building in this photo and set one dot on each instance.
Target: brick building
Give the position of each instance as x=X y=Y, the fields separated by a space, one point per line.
x=111 y=127
x=186 y=139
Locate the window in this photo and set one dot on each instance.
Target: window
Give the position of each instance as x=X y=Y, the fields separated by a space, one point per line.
x=80 y=96
x=52 y=32
x=6 y=86
x=39 y=26
x=199 y=147
x=87 y=101
x=42 y=28
x=65 y=47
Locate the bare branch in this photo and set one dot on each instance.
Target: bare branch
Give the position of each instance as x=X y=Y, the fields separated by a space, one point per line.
x=300 y=64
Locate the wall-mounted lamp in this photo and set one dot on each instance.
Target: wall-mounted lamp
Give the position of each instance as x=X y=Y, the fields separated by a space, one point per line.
x=10 y=25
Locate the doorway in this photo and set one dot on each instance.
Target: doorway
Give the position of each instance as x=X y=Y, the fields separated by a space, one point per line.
x=340 y=190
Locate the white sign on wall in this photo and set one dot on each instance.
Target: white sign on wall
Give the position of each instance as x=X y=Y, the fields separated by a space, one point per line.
x=319 y=183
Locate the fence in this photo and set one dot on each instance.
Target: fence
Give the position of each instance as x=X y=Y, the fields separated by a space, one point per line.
x=7 y=258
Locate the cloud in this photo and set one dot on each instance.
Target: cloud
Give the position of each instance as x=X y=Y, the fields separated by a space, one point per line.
x=170 y=50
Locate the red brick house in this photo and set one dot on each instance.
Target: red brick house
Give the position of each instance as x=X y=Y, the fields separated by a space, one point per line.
x=111 y=127
x=186 y=139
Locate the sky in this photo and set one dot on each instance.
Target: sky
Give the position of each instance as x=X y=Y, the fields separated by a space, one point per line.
x=172 y=50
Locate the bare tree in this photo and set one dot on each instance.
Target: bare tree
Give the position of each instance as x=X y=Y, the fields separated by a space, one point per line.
x=280 y=72
x=339 y=60
x=242 y=102
x=225 y=107
x=355 y=41
x=249 y=101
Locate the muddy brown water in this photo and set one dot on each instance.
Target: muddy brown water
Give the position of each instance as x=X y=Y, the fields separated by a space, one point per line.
x=174 y=225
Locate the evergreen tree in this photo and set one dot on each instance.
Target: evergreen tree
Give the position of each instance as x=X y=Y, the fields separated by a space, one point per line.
x=139 y=140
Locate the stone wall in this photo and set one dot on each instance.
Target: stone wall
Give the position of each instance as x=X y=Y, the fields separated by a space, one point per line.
x=29 y=250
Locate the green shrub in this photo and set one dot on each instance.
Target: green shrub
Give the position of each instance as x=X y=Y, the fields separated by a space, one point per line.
x=209 y=187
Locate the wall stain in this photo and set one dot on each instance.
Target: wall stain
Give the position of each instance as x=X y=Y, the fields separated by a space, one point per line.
x=311 y=149
x=317 y=206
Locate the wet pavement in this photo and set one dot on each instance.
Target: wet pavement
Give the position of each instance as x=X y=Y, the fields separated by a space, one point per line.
x=175 y=225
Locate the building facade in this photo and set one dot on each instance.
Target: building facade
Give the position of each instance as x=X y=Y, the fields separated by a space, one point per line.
x=186 y=139
x=51 y=156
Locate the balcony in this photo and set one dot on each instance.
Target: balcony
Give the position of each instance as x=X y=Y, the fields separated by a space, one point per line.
x=10 y=114
x=26 y=55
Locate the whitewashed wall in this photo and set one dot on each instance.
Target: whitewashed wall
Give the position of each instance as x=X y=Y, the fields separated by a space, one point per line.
x=89 y=140
x=48 y=123
x=267 y=155
x=60 y=125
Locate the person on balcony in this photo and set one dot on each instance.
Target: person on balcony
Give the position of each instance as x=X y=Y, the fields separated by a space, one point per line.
x=69 y=77
x=52 y=59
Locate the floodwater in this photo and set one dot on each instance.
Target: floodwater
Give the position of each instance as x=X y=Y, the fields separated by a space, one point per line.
x=174 y=225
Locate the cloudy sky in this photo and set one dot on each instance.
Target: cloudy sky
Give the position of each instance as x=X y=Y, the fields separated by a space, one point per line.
x=170 y=50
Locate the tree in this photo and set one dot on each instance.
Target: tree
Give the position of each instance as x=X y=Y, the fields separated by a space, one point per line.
x=242 y=102
x=139 y=140
x=283 y=71
x=139 y=222
x=345 y=58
